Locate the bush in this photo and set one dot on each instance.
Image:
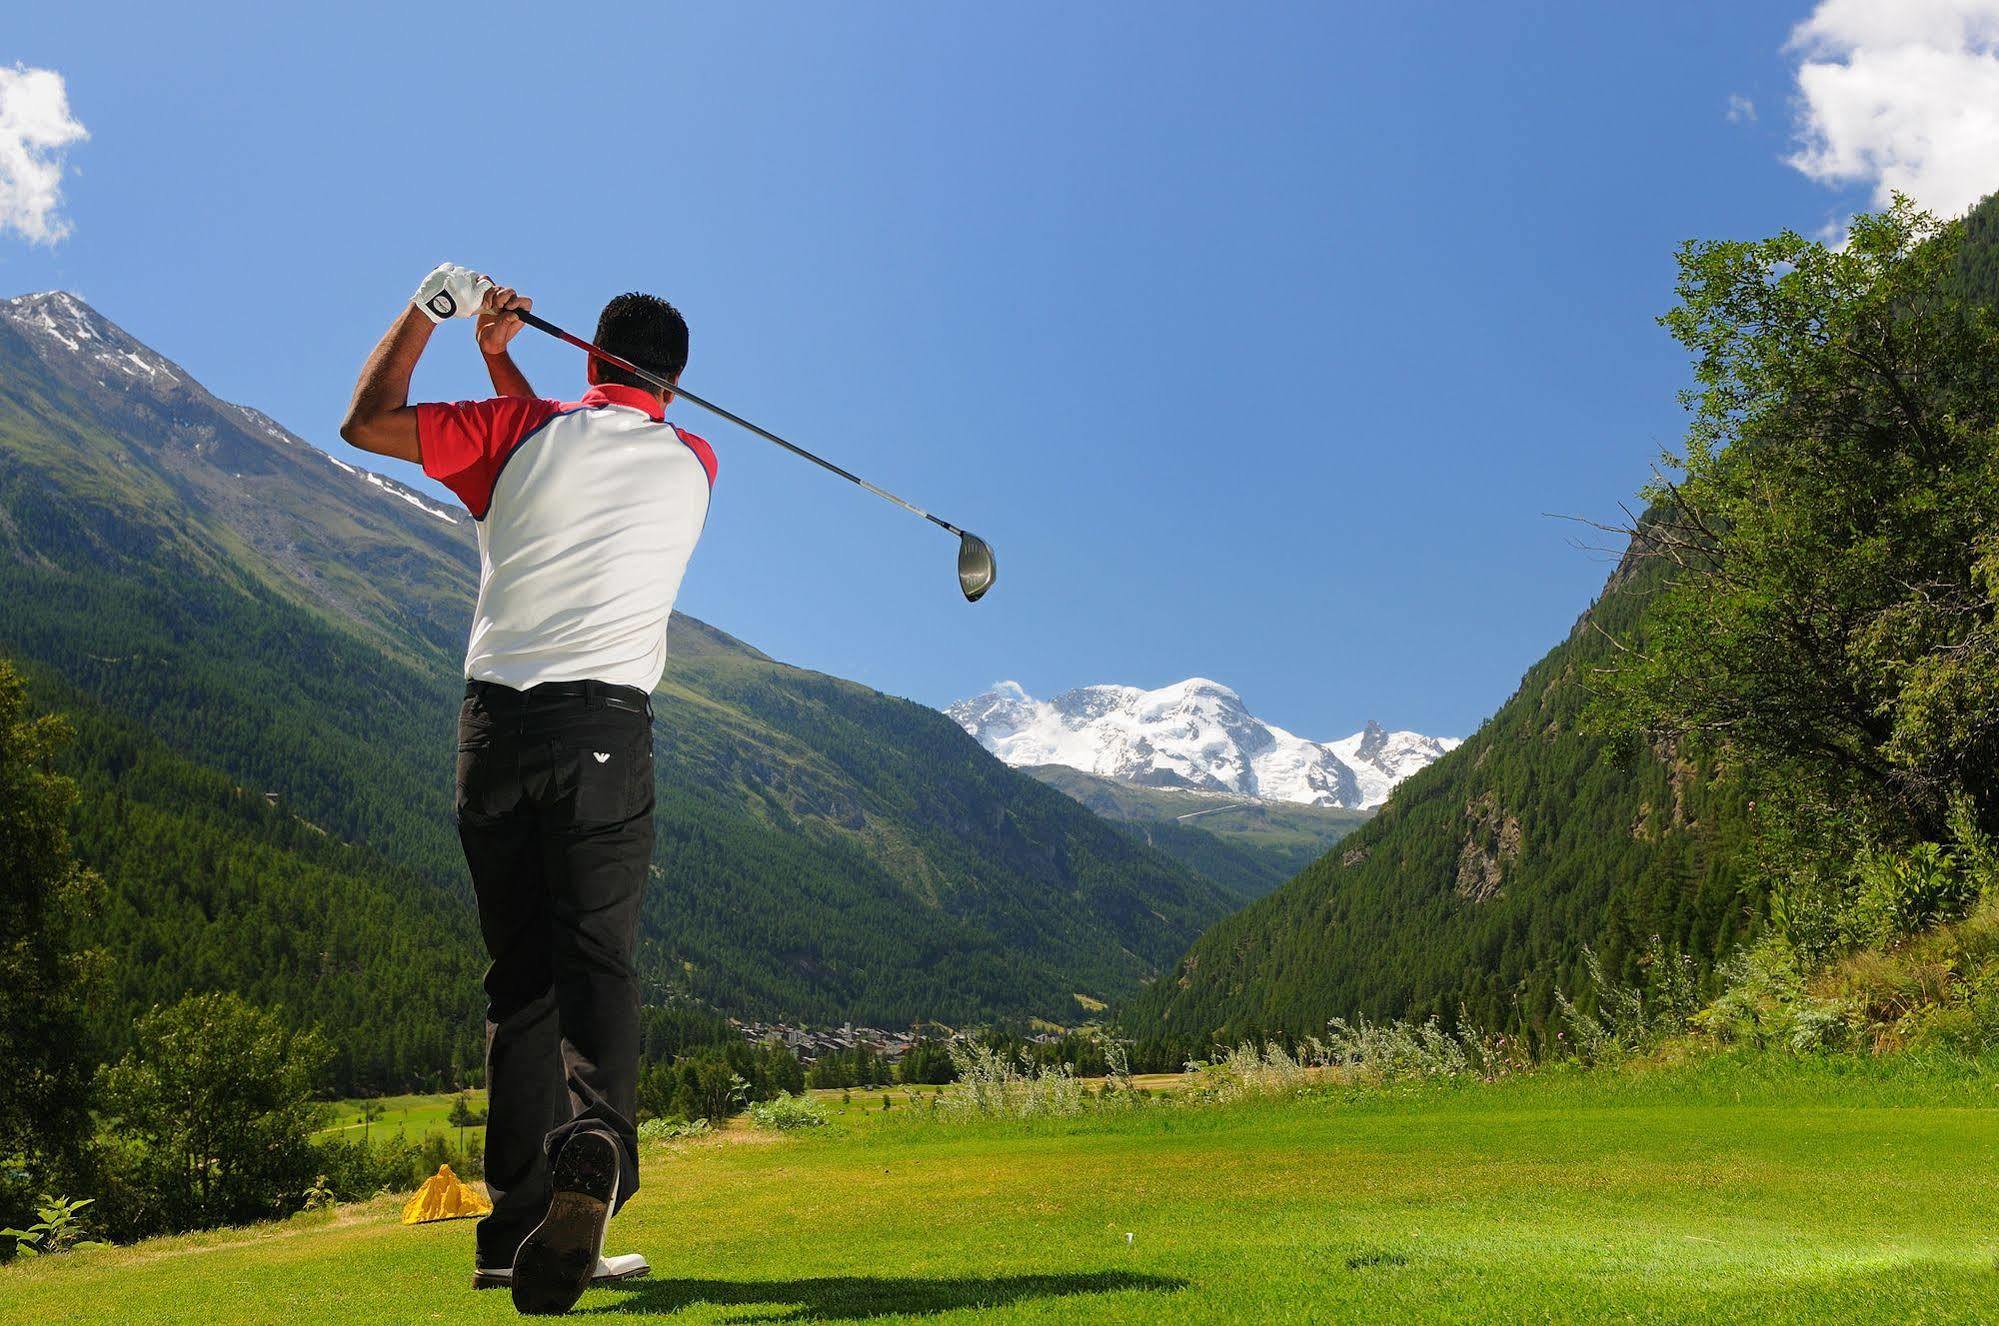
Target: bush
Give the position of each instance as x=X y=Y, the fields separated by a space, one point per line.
x=357 y=1168
x=716 y=1082
x=1952 y=1029
x=999 y=1085
x=1819 y=1028
x=1402 y=1051
x=319 y=1197
x=60 y=1229
x=1761 y=990
x=787 y=1112
x=670 y=1130
x=213 y=1113
x=1983 y=1002
x=1904 y=893
x=1248 y=1071
x=1626 y=1017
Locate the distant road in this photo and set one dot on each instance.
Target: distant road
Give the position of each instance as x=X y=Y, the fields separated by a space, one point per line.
x=1216 y=810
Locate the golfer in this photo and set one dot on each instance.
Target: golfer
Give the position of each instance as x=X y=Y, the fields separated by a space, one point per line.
x=587 y=513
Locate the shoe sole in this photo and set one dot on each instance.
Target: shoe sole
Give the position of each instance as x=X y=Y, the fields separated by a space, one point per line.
x=556 y=1262
x=488 y=1280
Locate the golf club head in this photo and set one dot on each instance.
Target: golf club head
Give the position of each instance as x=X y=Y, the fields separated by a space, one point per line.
x=975 y=567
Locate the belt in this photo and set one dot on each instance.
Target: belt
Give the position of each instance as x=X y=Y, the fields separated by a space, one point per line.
x=594 y=694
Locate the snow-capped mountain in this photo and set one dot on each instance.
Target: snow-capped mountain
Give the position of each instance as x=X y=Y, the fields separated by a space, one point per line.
x=101 y=358
x=1195 y=734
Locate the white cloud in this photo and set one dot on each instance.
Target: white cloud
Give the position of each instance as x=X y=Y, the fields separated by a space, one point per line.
x=1901 y=95
x=1741 y=110
x=35 y=127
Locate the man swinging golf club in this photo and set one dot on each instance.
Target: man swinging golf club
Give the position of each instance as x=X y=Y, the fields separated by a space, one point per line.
x=588 y=512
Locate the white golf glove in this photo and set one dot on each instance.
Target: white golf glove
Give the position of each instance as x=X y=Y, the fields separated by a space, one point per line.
x=450 y=291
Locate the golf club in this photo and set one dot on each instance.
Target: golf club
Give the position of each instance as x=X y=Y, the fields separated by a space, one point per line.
x=975 y=557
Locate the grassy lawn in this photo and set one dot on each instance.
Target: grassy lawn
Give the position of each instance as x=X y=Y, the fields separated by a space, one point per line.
x=1712 y=1193
x=414 y=1116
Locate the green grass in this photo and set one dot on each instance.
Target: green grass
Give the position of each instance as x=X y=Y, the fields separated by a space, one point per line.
x=1719 y=1192
x=414 y=1116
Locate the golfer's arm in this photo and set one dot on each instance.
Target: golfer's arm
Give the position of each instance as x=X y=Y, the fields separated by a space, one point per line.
x=508 y=380
x=380 y=418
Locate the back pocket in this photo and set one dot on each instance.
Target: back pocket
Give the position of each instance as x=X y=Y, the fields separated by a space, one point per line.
x=611 y=776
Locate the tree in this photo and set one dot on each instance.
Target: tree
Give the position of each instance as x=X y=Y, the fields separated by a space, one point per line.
x=216 y=1096
x=1830 y=620
x=463 y=1116
x=857 y=1066
x=46 y=901
x=928 y=1062
x=706 y=1088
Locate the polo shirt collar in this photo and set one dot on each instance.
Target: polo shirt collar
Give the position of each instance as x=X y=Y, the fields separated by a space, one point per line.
x=617 y=393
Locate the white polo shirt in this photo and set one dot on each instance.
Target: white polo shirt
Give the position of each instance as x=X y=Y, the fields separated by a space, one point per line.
x=588 y=512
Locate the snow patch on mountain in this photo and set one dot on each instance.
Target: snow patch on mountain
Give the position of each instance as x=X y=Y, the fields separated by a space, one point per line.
x=1194 y=734
x=394 y=489
x=83 y=331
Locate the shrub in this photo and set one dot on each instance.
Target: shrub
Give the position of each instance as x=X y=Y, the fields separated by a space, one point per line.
x=1765 y=1003
x=320 y=1196
x=1387 y=1052
x=352 y=1169
x=999 y=1085
x=669 y=1130
x=1248 y=1071
x=462 y=1114
x=1951 y=1028
x=1983 y=1002
x=1903 y=893
x=214 y=1106
x=1626 y=1017
x=716 y=1082
x=1761 y=986
x=788 y=1112
x=60 y=1229
x=1818 y=1028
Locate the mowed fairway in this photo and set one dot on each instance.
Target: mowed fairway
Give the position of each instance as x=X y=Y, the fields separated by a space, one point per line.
x=412 y=1116
x=1691 y=1195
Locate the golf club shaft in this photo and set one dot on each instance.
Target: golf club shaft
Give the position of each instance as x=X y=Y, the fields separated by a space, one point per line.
x=542 y=324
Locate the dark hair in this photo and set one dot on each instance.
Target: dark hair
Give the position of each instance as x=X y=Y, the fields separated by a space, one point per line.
x=646 y=330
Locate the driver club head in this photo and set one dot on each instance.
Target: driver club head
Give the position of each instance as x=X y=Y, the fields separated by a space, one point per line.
x=975 y=567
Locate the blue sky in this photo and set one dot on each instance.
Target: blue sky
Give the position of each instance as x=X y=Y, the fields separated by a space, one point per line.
x=1259 y=340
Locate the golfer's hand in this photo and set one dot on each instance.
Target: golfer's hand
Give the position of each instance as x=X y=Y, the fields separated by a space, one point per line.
x=450 y=291
x=494 y=328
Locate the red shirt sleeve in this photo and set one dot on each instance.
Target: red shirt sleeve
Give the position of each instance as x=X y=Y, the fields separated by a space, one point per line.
x=465 y=443
x=699 y=446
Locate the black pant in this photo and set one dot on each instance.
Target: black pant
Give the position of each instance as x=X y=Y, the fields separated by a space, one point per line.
x=555 y=814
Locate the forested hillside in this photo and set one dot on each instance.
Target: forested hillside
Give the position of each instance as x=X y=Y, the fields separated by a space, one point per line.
x=1781 y=708
x=1476 y=887
x=216 y=887
x=223 y=607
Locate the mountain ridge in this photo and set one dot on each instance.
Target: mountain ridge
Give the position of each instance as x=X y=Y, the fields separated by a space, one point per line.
x=1195 y=734
x=1247 y=846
